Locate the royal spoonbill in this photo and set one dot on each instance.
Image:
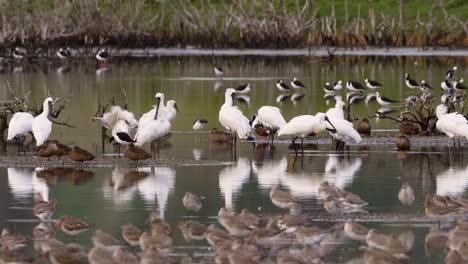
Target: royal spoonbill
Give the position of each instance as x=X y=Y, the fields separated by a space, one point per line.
x=20 y=125
x=42 y=124
x=271 y=119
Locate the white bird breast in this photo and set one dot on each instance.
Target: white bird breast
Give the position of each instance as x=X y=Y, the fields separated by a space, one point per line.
x=233 y=120
x=41 y=128
x=151 y=131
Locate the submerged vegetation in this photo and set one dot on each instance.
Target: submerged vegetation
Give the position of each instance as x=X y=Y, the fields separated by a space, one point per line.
x=239 y=24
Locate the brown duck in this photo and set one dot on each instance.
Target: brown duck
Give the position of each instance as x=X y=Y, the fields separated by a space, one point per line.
x=403 y=143
x=364 y=128
x=220 y=136
x=408 y=128
x=62 y=150
x=135 y=153
x=48 y=149
x=80 y=155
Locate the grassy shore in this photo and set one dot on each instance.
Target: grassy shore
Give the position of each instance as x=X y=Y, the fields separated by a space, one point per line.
x=234 y=24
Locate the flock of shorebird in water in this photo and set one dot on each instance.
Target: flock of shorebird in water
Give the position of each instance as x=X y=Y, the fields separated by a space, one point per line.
x=245 y=236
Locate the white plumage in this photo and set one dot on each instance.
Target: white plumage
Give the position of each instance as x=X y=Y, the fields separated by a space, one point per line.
x=110 y=119
x=148 y=116
x=452 y=124
x=121 y=127
x=171 y=111
x=231 y=118
x=42 y=124
x=302 y=126
x=344 y=130
x=151 y=131
x=270 y=117
x=20 y=124
x=337 y=111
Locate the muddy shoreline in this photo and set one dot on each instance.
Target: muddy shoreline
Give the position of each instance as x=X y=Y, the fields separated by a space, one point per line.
x=435 y=143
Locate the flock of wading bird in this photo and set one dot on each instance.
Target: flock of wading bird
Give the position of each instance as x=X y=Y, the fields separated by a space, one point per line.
x=245 y=237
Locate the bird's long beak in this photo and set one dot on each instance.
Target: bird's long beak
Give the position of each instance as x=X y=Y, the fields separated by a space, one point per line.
x=176 y=108
x=158 y=101
x=233 y=96
x=334 y=128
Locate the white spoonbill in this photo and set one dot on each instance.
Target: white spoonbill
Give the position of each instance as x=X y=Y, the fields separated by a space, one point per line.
x=337 y=111
x=304 y=125
x=42 y=124
x=20 y=125
x=152 y=130
x=451 y=124
x=171 y=110
x=271 y=119
x=110 y=119
x=232 y=118
x=148 y=116
x=344 y=133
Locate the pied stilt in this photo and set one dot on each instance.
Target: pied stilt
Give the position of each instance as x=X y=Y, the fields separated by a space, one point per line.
x=372 y=84
x=425 y=86
x=354 y=86
x=327 y=88
x=102 y=56
x=64 y=53
x=243 y=88
x=295 y=83
x=199 y=124
x=446 y=85
x=218 y=71
x=42 y=124
x=458 y=85
x=383 y=101
x=450 y=73
x=19 y=53
x=337 y=86
x=282 y=86
x=410 y=83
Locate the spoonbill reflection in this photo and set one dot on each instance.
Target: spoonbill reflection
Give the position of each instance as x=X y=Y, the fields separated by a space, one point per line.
x=340 y=171
x=158 y=185
x=452 y=181
x=301 y=184
x=269 y=173
x=232 y=178
x=23 y=183
x=119 y=188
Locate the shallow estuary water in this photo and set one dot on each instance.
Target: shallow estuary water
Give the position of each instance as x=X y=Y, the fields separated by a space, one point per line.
x=111 y=197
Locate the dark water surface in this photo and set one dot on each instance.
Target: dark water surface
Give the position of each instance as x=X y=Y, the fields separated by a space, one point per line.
x=111 y=197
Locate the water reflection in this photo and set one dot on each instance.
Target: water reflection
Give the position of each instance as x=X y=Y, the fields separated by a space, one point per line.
x=153 y=184
x=269 y=172
x=158 y=185
x=23 y=183
x=452 y=181
x=232 y=178
x=340 y=170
